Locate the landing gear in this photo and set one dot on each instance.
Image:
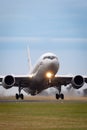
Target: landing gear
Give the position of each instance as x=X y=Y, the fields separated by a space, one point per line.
x=20 y=95
x=60 y=95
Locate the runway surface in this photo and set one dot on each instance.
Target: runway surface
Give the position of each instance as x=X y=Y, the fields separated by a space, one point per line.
x=43 y=99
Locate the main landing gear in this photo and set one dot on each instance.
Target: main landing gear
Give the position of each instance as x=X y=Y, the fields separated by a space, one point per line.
x=20 y=95
x=59 y=95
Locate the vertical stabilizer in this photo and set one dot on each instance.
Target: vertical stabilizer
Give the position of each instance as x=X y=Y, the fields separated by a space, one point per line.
x=29 y=60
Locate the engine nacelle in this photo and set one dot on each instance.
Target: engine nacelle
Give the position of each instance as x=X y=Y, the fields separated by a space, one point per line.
x=78 y=81
x=8 y=81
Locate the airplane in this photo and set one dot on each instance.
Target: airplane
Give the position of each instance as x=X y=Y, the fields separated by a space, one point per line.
x=42 y=76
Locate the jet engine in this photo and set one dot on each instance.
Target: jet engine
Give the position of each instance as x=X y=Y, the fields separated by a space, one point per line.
x=78 y=81
x=8 y=81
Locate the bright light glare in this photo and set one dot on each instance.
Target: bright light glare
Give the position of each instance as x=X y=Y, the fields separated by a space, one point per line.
x=49 y=75
x=31 y=75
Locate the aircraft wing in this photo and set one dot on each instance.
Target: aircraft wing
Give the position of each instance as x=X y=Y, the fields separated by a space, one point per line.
x=25 y=80
x=76 y=81
x=62 y=80
x=16 y=81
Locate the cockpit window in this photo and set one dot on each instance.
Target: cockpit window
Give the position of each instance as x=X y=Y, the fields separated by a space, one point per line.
x=49 y=57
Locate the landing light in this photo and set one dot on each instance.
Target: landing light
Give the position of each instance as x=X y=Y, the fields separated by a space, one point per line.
x=49 y=75
x=31 y=75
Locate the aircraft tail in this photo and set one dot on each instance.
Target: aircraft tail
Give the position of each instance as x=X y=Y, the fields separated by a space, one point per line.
x=29 y=60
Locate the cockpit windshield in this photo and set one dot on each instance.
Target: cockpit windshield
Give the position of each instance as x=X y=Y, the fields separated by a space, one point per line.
x=49 y=57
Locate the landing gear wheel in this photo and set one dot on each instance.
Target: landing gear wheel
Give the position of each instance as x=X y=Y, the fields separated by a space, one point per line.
x=21 y=96
x=62 y=96
x=57 y=96
x=17 y=96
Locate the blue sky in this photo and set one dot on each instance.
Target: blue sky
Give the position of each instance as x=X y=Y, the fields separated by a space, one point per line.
x=58 y=26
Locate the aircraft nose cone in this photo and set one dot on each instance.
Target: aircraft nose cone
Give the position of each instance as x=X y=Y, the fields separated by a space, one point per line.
x=54 y=66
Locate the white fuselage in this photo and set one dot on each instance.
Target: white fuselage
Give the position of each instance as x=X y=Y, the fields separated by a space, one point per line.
x=47 y=63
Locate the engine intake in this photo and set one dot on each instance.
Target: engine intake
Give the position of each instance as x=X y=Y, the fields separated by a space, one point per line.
x=8 y=81
x=78 y=82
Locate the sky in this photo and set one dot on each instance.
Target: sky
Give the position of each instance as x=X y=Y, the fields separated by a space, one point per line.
x=58 y=26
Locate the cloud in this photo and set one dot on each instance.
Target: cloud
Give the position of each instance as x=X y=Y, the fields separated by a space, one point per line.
x=69 y=40
x=19 y=39
x=42 y=39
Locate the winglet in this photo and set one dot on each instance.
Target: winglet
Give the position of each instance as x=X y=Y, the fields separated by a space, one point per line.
x=29 y=60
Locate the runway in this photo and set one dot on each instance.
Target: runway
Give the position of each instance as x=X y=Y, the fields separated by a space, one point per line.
x=43 y=113
x=43 y=99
